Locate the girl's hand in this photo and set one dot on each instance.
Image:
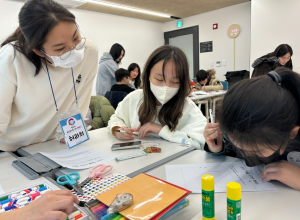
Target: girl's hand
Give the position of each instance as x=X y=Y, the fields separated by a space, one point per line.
x=194 y=90
x=52 y=205
x=124 y=136
x=284 y=172
x=203 y=88
x=212 y=131
x=148 y=128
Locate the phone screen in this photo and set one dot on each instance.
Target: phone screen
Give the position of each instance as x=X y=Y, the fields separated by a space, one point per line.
x=127 y=144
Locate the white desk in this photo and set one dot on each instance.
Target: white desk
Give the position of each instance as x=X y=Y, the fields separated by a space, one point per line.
x=283 y=204
x=102 y=141
x=11 y=179
x=208 y=96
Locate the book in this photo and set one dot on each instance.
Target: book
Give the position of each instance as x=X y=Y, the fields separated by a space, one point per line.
x=152 y=197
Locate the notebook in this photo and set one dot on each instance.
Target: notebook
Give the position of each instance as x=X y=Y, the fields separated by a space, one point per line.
x=152 y=197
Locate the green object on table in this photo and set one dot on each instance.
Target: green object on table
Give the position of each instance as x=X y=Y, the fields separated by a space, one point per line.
x=118 y=217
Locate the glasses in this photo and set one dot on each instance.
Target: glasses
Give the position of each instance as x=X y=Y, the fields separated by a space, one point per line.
x=67 y=52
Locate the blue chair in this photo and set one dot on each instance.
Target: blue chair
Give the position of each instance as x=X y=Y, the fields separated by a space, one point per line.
x=194 y=80
x=225 y=85
x=115 y=97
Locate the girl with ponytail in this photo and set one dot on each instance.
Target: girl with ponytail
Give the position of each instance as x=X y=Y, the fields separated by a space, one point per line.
x=259 y=122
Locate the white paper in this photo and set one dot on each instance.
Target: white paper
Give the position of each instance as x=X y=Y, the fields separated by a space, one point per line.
x=79 y=157
x=199 y=93
x=189 y=176
x=1 y=190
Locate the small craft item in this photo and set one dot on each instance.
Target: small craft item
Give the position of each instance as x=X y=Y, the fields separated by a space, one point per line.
x=120 y=203
x=152 y=150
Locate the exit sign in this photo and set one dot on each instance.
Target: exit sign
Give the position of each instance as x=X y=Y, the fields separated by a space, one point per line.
x=179 y=24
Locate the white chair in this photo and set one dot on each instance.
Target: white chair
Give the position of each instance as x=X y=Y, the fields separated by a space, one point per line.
x=203 y=102
x=213 y=102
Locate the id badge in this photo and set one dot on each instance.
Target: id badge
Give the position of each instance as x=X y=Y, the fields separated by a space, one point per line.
x=73 y=127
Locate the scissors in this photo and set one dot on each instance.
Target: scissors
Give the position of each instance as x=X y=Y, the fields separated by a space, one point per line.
x=70 y=179
x=97 y=171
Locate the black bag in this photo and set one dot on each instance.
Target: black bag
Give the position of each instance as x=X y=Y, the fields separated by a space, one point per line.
x=236 y=76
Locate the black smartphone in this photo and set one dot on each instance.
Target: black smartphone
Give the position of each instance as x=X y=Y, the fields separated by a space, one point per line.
x=126 y=145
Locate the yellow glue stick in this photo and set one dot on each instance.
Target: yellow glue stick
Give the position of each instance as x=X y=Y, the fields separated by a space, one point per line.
x=234 y=196
x=208 y=197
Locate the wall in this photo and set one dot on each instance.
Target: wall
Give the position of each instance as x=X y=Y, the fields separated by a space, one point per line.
x=275 y=22
x=138 y=37
x=222 y=44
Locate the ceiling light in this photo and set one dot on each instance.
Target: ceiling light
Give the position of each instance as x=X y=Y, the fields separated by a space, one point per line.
x=129 y=8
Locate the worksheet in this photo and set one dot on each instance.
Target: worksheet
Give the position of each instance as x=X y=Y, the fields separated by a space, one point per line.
x=79 y=157
x=189 y=176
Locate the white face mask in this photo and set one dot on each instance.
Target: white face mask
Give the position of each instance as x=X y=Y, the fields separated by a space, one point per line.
x=163 y=93
x=75 y=58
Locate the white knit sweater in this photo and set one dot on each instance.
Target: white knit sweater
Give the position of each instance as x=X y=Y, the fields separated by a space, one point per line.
x=189 y=129
x=27 y=110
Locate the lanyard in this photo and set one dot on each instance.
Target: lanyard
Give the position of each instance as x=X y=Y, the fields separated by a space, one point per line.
x=53 y=91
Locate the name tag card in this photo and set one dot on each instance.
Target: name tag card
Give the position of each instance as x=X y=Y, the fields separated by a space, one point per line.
x=73 y=128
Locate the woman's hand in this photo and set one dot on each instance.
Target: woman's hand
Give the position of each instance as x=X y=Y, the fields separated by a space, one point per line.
x=284 y=172
x=212 y=131
x=194 y=90
x=124 y=136
x=148 y=128
x=62 y=140
x=52 y=205
x=203 y=88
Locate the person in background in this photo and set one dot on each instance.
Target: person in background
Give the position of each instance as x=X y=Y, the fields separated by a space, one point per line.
x=281 y=57
x=262 y=129
x=135 y=76
x=206 y=81
x=122 y=76
x=108 y=65
x=161 y=107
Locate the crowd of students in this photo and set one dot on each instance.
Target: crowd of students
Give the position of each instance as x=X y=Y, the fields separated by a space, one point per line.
x=259 y=121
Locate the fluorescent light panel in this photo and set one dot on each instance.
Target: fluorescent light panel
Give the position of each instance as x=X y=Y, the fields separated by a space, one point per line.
x=129 y=8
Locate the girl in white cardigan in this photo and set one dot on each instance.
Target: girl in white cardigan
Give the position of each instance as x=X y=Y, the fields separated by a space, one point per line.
x=162 y=106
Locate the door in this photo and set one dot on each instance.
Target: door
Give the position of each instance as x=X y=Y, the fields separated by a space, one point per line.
x=187 y=40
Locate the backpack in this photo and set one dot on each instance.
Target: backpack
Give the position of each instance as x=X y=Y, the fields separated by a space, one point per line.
x=236 y=76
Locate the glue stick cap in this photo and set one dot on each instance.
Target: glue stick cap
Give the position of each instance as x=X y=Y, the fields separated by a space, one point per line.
x=234 y=191
x=208 y=182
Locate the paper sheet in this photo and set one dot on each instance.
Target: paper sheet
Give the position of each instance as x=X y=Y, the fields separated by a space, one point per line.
x=79 y=157
x=199 y=93
x=189 y=176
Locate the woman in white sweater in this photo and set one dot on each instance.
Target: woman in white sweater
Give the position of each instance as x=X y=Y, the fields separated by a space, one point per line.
x=162 y=106
x=47 y=41
x=53 y=41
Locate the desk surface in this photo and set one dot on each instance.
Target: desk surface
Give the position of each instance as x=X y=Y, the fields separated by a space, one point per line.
x=11 y=179
x=283 y=204
x=102 y=141
x=210 y=95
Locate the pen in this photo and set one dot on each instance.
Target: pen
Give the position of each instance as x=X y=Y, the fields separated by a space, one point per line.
x=121 y=131
x=212 y=121
x=211 y=116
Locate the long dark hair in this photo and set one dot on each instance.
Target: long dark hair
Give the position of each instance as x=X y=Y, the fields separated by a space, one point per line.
x=116 y=51
x=170 y=112
x=36 y=20
x=137 y=80
x=259 y=113
x=268 y=65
